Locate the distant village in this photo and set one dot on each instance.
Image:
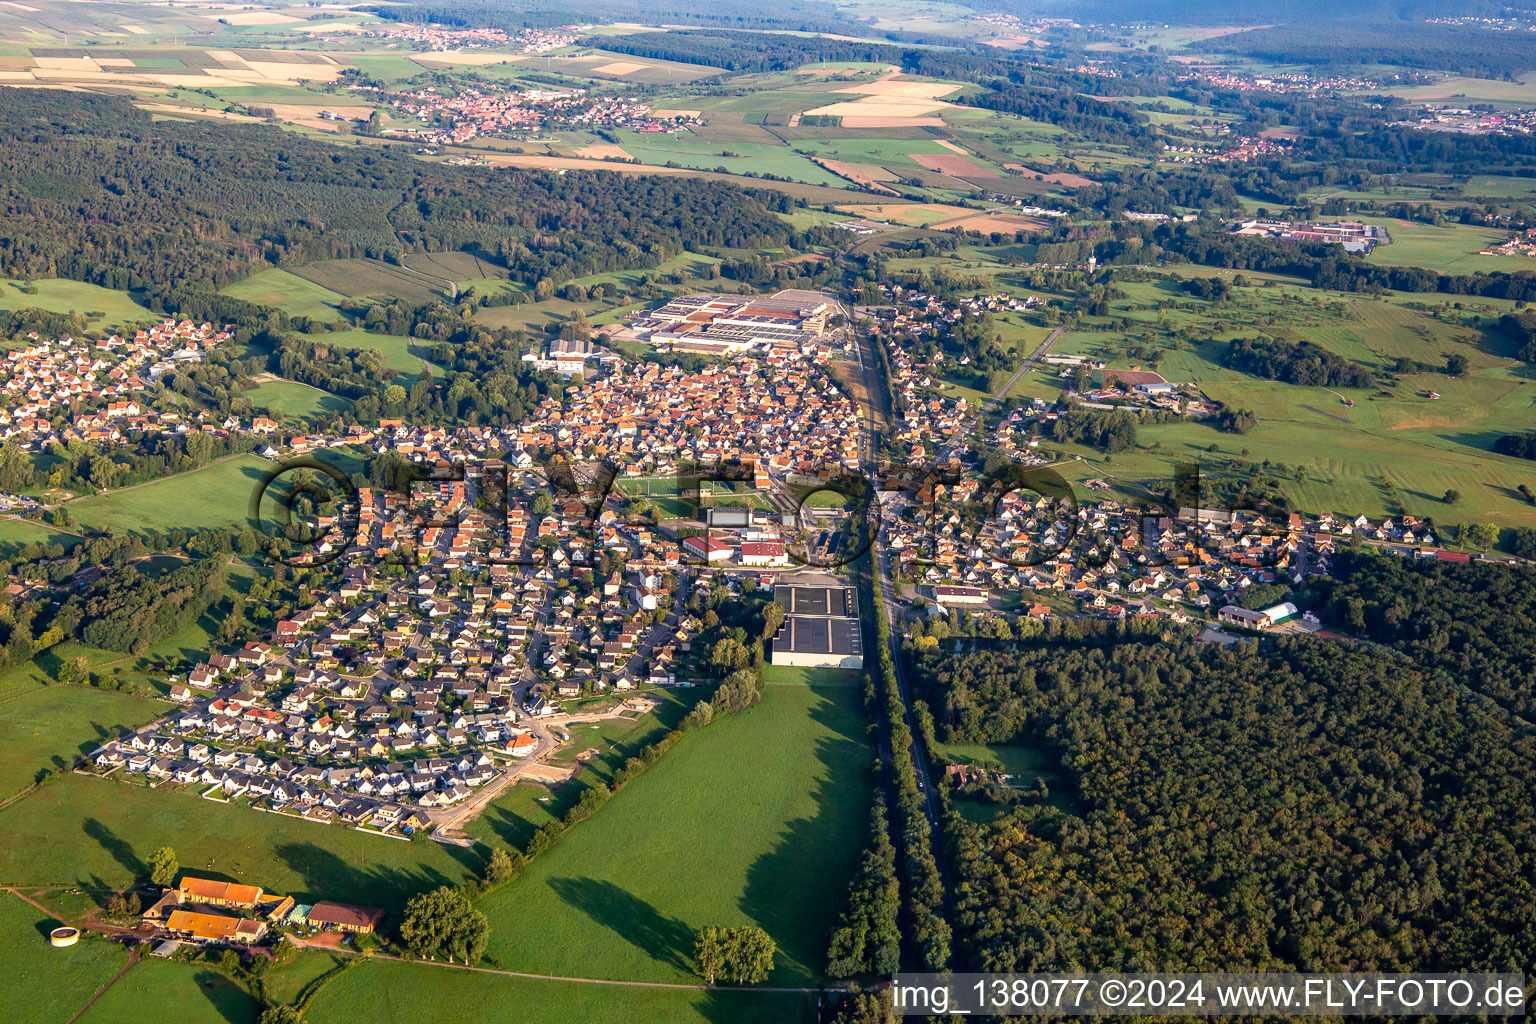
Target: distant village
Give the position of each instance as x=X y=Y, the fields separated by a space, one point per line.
x=519 y=114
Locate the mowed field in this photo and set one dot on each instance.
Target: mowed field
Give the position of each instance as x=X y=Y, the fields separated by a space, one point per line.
x=1449 y=249
x=290 y=293
x=397 y=993
x=295 y=399
x=154 y=991
x=43 y=983
x=215 y=496
x=95 y=832
x=48 y=728
x=721 y=831
x=116 y=309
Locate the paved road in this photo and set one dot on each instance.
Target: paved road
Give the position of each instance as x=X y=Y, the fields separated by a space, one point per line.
x=883 y=578
x=963 y=431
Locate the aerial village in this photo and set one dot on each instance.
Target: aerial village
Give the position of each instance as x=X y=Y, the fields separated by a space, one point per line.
x=519 y=113
x=98 y=387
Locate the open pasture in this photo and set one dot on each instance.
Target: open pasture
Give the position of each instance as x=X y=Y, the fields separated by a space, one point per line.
x=292 y=398
x=745 y=802
x=100 y=832
x=1449 y=248
x=48 y=728
x=212 y=497
x=290 y=292
x=60 y=295
x=398 y=993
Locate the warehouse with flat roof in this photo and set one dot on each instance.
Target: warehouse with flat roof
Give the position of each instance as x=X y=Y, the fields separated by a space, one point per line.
x=809 y=641
x=821 y=626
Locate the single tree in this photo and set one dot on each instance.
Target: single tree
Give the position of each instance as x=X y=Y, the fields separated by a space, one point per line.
x=163 y=867
x=1481 y=535
x=749 y=954
x=709 y=953
x=1452 y=496
x=445 y=923
x=499 y=868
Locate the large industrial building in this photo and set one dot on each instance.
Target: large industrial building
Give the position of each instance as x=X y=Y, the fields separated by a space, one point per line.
x=721 y=325
x=821 y=626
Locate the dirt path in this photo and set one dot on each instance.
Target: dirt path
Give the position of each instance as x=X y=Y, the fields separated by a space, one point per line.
x=307 y=944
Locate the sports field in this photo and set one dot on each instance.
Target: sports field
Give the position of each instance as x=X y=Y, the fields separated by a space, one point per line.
x=719 y=832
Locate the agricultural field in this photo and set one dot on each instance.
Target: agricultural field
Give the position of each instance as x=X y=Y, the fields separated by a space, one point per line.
x=218 y=495
x=398 y=993
x=111 y=309
x=84 y=830
x=1450 y=249
x=361 y=278
x=157 y=990
x=290 y=293
x=48 y=728
x=43 y=983
x=19 y=533
x=1396 y=450
x=746 y=802
x=404 y=355
x=291 y=398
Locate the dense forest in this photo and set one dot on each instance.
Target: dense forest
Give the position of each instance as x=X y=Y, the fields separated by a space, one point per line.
x=1473 y=625
x=745 y=51
x=1299 y=362
x=1297 y=806
x=1465 y=50
x=1109 y=430
x=81 y=175
x=794 y=15
x=129 y=611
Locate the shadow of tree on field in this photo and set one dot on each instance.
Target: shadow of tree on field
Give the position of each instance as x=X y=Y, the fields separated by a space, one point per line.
x=799 y=912
x=119 y=848
x=328 y=876
x=631 y=918
x=228 y=1000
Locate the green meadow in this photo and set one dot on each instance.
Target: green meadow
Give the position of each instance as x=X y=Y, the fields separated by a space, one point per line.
x=158 y=990
x=720 y=831
x=1449 y=248
x=292 y=398
x=117 y=309
x=397 y=993
x=215 y=496
x=291 y=293
x=48 y=728
x=43 y=983
x=94 y=832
